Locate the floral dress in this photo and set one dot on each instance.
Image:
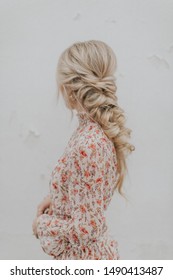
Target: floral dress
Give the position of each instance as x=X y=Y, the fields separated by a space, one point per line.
x=81 y=187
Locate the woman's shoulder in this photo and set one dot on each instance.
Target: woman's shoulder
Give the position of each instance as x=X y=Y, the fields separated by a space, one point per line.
x=93 y=138
x=89 y=134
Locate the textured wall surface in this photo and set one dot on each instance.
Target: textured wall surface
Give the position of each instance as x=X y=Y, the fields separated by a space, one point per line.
x=35 y=126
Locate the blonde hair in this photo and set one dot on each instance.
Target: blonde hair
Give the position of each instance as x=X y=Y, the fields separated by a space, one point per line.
x=85 y=72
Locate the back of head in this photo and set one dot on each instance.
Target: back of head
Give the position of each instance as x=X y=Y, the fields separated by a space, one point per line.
x=86 y=72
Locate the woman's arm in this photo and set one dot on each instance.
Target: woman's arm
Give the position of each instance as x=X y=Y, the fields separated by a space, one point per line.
x=86 y=202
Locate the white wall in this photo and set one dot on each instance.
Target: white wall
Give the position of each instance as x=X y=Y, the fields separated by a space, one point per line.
x=35 y=127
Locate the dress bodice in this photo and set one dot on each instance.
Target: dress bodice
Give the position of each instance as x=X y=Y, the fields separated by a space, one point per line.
x=82 y=184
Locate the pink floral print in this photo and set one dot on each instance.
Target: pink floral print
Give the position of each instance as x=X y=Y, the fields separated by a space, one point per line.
x=81 y=187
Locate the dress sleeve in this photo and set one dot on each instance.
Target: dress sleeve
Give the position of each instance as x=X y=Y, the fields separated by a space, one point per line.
x=86 y=203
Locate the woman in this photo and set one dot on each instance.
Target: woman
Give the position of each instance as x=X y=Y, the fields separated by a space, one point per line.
x=93 y=164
